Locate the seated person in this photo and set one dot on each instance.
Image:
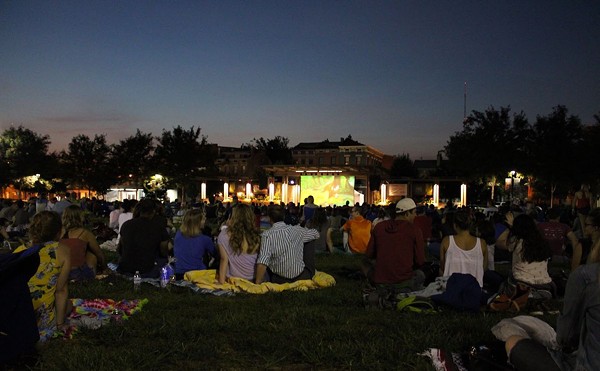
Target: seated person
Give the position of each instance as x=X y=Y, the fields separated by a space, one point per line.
x=49 y=286
x=238 y=241
x=397 y=248
x=319 y=222
x=190 y=245
x=485 y=230
x=576 y=329
x=445 y=229
x=359 y=231
x=591 y=236
x=86 y=254
x=557 y=234
x=143 y=245
x=530 y=252
x=4 y=223
x=282 y=250
x=462 y=252
x=20 y=220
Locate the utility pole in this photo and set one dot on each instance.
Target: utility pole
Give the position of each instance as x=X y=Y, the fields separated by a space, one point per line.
x=465 y=104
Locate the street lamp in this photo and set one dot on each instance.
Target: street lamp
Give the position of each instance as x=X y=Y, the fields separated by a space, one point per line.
x=512 y=174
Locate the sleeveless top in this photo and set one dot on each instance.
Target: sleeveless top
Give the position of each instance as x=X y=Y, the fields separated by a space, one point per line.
x=464 y=261
x=42 y=287
x=77 y=247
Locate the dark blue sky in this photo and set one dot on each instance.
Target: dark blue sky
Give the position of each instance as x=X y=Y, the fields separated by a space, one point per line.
x=390 y=73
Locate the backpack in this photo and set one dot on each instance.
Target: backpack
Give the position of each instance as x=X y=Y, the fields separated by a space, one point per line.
x=462 y=293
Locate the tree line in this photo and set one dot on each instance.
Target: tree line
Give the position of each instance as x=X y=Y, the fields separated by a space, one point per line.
x=180 y=155
x=556 y=153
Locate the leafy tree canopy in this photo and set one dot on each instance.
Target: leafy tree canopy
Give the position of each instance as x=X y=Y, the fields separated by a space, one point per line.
x=133 y=156
x=276 y=149
x=182 y=155
x=87 y=163
x=490 y=144
x=22 y=153
x=403 y=166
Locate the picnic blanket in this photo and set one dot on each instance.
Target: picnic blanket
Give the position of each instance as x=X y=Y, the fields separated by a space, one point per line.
x=95 y=313
x=206 y=279
x=442 y=360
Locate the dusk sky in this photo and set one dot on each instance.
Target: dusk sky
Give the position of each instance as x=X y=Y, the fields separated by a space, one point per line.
x=390 y=73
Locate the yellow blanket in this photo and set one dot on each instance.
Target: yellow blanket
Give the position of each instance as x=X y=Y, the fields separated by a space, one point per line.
x=206 y=279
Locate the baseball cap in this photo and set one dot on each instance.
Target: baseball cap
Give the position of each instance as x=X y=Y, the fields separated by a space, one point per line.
x=405 y=204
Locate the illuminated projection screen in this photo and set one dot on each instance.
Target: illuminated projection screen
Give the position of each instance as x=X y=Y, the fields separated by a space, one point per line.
x=327 y=190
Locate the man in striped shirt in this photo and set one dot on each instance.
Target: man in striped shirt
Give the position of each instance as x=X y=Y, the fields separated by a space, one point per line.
x=282 y=251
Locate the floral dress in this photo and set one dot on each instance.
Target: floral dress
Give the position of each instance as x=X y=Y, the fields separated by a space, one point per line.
x=42 y=287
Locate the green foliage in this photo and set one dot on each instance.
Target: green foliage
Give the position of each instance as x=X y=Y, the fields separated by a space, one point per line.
x=87 y=163
x=556 y=151
x=22 y=153
x=183 y=155
x=556 y=154
x=132 y=157
x=490 y=144
x=403 y=166
x=276 y=149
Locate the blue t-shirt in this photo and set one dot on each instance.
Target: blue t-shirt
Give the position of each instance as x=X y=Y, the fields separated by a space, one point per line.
x=190 y=251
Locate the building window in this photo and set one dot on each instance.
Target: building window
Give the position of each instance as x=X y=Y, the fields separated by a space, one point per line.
x=321 y=161
x=310 y=161
x=346 y=159
x=333 y=160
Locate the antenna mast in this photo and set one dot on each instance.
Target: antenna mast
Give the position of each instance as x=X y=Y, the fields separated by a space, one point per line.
x=465 y=104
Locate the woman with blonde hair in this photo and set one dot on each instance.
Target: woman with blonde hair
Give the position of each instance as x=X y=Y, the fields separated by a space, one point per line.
x=49 y=285
x=86 y=254
x=239 y=242
x=190 y=245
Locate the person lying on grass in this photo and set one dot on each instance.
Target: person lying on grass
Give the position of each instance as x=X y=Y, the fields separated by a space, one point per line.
x=239 y=242
x=49 y=286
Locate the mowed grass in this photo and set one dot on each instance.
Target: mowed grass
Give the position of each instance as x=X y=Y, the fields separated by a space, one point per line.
x=319 y=329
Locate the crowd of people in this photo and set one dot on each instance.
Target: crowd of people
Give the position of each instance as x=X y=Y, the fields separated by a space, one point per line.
x=277 y=243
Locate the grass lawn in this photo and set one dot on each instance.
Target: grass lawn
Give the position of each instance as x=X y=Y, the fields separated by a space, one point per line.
x=319 y=329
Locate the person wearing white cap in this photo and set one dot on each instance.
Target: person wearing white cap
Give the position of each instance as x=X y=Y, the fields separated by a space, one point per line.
x=398 y=250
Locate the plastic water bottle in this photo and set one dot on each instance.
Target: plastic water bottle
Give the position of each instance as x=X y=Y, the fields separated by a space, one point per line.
x=164 y=277
x=137 y=281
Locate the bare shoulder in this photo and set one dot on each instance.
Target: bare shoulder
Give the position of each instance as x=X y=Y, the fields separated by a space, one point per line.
x=63 y=253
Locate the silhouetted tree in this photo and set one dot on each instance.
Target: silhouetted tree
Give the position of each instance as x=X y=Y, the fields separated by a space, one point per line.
x=23 y=152
x=403 y=166
x=183 y=155
x=491 y=144
x=132 y=157
x=276 y=149
x=555 y=149
x=590 y=151
x=87 y=163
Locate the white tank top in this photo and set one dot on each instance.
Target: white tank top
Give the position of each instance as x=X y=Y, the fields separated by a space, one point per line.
x=464 y=261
